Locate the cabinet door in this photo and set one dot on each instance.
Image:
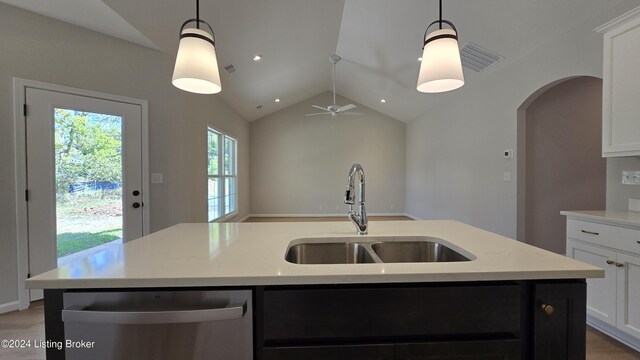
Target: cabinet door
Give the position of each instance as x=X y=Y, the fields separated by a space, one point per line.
x=559 y=329
x=601 y=293
x=628 y=314
x=477 y=350
x=621 y=75
x=334 y=352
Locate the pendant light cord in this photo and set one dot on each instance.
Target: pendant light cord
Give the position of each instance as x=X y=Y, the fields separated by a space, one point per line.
x=440 y=14
x=198 y=14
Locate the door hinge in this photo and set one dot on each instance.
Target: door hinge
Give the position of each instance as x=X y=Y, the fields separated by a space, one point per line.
x=26 y=195
x=24 y=110
x=29 y=276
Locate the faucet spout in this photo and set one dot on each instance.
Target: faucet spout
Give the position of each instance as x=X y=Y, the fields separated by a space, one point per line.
x=358 y=218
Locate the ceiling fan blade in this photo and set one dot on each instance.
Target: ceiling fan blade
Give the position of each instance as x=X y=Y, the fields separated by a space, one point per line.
x=346 y=108
x=314 y=114
x=351 y=113
x=319 y=107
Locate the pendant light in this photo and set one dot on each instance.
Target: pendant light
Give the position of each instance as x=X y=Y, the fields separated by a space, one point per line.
x=441 y=68
x=196 y=68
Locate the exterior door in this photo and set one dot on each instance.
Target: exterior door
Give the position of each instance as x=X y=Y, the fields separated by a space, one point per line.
x=84 y=176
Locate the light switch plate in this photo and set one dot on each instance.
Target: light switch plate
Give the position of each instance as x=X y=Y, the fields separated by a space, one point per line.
x=631 y=177
x=157 y=178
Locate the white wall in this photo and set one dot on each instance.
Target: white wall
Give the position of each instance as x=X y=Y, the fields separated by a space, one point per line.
x=299 y=164
x=39 y=48
x=454 y=152
x=618 y=195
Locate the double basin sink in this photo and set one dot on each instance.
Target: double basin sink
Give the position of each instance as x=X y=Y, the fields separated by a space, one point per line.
x=363 y=250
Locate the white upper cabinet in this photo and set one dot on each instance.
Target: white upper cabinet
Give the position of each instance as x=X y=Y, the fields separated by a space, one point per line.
x=621 y=86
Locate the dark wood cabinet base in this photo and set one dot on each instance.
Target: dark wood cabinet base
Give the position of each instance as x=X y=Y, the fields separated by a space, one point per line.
x=501 y=320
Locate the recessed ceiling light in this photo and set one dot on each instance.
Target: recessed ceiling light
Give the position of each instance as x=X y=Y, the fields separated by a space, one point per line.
x=257 y=58
x=277 y=100
x=383 y=101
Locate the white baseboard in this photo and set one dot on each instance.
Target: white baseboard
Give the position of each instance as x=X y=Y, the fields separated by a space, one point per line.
x=8 y=307
x=245 y=218
x=412 y=217
x=611 y=331
x=296 y=215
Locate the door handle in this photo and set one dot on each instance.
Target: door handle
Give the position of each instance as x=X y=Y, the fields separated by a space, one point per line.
x=610 y=262
x=82 y=315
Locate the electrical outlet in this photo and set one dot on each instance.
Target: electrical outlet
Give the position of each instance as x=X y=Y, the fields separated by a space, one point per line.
x=631 y=177
x=634 y=205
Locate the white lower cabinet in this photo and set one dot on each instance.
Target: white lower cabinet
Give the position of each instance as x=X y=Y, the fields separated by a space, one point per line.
x=628 y=276
x=601 y=293
x=613 y=302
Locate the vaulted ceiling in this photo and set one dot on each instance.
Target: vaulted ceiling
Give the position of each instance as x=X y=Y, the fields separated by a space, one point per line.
x=379 y=41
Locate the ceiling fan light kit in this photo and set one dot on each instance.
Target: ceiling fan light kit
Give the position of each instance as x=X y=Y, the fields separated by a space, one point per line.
x=196 y=67
x=441 y=67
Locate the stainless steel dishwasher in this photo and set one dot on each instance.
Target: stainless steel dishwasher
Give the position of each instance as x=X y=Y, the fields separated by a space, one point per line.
x=164 y=325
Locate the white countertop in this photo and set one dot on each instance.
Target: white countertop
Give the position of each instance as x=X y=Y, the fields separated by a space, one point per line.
x=623 y=218
x=234 y=254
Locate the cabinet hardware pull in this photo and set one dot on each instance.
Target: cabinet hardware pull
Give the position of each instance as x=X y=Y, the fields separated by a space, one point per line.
x=619 y=264
x=548 y=309
x=590 y=232
x=610 y=262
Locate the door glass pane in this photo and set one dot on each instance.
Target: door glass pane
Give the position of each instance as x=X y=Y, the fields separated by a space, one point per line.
x=88 y=172
x=213 y=140
x=215 y=196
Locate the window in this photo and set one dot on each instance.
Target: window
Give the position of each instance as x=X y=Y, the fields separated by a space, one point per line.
x=222 y=176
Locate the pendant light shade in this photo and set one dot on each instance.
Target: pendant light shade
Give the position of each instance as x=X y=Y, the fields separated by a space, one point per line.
x=441 y=67
x=196 y=68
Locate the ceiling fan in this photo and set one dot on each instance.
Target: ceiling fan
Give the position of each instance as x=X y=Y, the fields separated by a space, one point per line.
x=334 y=110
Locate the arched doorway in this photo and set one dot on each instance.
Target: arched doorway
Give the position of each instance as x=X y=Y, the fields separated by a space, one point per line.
x=560 y=164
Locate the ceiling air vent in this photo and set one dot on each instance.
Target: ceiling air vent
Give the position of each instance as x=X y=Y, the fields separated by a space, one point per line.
x=230 y=68
x=477 y=58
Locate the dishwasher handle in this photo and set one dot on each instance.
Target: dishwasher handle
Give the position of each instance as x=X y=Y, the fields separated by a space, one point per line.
x=83 y=315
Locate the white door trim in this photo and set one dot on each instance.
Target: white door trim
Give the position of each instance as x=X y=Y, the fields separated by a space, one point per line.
x=19 y=87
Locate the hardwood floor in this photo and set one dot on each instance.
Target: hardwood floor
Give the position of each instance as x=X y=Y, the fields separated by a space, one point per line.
x=29 y=325
x=23 y=325
x=321 y=218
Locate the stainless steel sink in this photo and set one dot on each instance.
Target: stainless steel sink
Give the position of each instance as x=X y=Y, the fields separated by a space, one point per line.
x=415 y=251
x=372 y=249
x=328 y=253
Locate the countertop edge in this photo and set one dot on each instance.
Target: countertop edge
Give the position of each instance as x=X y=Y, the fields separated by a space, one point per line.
x=603 y=219
x=312 y=280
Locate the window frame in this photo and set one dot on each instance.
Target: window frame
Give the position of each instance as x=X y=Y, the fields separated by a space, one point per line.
x=222 y=137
